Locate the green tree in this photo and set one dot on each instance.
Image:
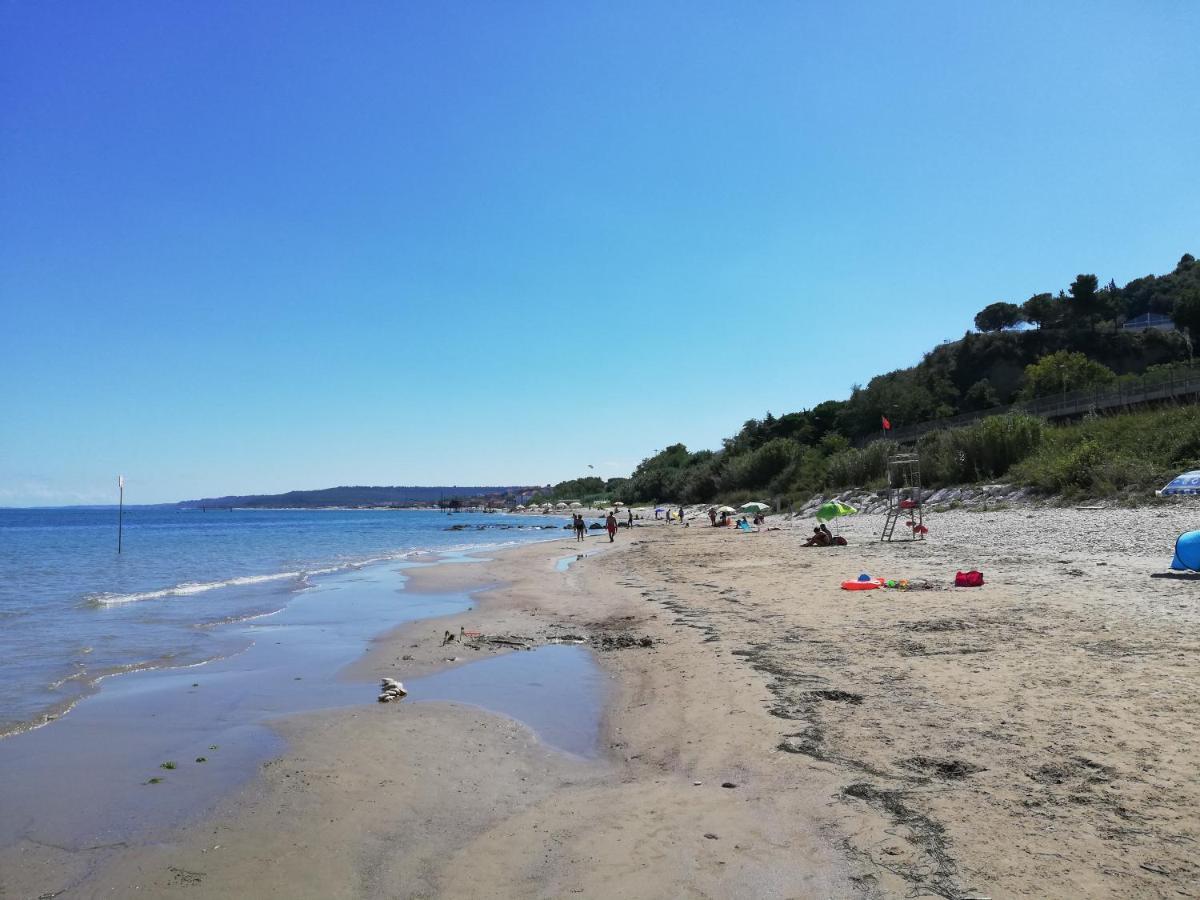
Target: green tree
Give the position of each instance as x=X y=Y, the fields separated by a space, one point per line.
x=1064 y=371
x=1085 y=300
x=1187 y=313
x=999 y=315
x=1042 y=310
x=981 y=395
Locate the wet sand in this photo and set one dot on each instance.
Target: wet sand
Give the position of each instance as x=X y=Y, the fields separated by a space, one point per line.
x=1033 y=737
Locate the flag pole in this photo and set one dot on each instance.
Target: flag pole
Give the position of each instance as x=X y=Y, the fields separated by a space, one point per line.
x=120 y=510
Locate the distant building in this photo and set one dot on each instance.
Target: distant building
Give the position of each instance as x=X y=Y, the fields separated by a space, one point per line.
x=1148 y=322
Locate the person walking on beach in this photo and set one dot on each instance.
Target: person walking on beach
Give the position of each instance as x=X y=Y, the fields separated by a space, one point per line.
x=580 y=528
x=631 y=518
x=611 y=525
x=681 y=515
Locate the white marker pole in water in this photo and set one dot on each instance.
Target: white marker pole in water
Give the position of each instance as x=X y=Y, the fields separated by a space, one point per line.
x=120 y=510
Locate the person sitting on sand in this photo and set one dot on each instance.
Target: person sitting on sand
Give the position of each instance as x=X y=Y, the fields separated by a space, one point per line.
x=820 y=538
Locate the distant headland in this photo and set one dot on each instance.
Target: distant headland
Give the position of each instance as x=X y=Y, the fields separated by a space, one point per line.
x=397 y=496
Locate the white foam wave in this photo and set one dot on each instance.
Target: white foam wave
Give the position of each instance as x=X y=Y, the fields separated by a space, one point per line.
x=302 y=577
x=189 y=587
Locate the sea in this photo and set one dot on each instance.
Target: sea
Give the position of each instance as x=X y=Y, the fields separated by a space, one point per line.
x=74 y=612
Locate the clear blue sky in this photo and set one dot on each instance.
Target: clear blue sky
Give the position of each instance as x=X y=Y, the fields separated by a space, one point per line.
x=273 y=245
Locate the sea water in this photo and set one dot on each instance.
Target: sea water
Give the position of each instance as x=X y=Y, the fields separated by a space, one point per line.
x=73 y=611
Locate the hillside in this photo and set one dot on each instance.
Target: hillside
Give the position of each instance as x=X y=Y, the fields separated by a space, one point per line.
x=1050 y=344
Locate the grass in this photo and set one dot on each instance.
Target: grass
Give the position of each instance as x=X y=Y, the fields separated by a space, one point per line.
x=1127 y=455
x=1115 y=455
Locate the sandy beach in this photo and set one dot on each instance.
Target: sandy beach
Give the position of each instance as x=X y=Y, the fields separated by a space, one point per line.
x=775 y=736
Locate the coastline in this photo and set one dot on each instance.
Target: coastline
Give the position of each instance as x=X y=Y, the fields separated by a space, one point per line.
x=1009 y=740
x=462 y=784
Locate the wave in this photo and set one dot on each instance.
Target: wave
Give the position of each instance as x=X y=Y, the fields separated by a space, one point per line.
x=189 y=587
x=301 y=577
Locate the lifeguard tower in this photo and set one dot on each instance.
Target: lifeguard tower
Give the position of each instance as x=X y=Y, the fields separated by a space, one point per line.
x=906 y=502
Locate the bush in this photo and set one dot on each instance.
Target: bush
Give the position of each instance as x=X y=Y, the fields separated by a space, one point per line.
x=983 y=451
x=1057 y=373
x=760 y=467
x=1135 y=452
x=860 y=467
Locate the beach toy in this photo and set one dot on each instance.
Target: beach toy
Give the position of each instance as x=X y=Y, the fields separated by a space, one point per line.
x=1187 y=552
x=864 y=577
x=870 y=584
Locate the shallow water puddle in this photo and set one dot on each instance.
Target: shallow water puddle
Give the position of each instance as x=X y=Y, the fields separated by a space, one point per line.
x=558 y=691
x=565 y=563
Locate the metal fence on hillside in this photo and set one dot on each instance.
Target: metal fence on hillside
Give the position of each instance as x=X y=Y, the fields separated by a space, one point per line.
x=1154 y=388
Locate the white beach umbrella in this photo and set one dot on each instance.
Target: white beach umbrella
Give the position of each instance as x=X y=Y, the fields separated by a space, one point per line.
x=575 y=504
x=726 y=509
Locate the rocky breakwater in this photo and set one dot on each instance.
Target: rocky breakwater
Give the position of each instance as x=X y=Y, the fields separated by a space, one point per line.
x=871 y=502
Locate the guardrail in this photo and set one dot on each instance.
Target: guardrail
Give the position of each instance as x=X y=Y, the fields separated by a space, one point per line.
x=1148 y=389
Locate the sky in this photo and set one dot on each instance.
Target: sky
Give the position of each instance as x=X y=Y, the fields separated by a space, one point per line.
x=254 y=247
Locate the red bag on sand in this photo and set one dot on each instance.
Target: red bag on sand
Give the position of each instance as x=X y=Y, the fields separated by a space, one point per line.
x=969 y=579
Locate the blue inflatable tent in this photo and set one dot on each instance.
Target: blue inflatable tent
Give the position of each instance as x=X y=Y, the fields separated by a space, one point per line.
x=1187 y=552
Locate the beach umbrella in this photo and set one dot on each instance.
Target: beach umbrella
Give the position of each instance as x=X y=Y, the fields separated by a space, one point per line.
x=755 y=507
x=726 y=509
x=575 y=504
x=1187 y=483
x=834 y=508
x=618 y=503
x=660 y=509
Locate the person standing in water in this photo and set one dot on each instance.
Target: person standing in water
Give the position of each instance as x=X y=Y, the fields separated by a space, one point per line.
x=611 y=525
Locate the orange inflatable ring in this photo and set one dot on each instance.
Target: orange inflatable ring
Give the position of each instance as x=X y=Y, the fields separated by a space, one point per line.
x=862 y=585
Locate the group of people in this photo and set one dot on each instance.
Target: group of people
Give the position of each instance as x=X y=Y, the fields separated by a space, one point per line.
x=672 y=515
x=823 y=537
x=722 y=520
x=610 y=525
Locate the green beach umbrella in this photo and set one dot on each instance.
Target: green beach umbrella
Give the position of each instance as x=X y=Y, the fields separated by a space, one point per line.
x=833 y=509
x=755 y=506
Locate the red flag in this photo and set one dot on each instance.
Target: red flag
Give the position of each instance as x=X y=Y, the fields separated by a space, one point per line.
x=887 y=426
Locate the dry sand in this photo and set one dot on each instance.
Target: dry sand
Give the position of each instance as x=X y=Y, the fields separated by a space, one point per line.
x=1034 y=737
